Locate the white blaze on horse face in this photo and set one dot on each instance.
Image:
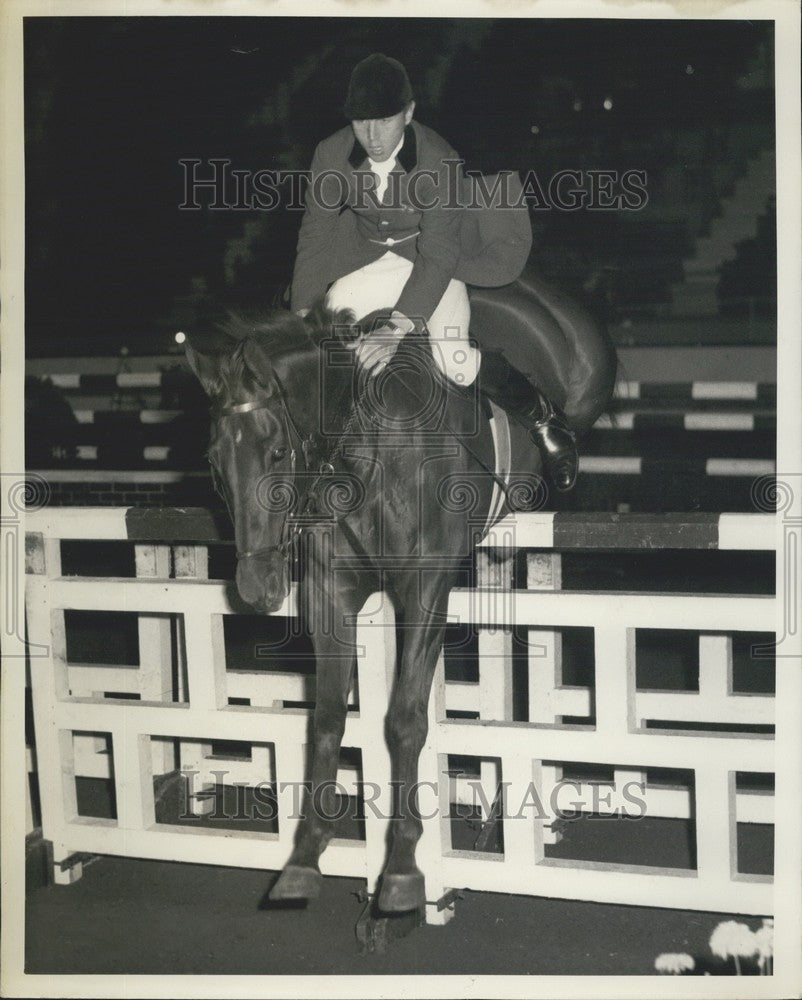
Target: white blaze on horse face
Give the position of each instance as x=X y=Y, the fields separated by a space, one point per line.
x=380 y=136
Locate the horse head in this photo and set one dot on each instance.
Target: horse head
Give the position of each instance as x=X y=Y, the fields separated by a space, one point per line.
x=252 y=461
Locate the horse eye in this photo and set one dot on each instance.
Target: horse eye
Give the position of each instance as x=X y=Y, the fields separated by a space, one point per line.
x=279 y=453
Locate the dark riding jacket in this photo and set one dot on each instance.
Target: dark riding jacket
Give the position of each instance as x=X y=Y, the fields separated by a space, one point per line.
x=427 y=215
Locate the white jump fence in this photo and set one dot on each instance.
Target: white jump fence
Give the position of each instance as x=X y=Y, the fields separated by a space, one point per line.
x=133 y=723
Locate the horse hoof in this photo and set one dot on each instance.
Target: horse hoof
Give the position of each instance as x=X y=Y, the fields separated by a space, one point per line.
x=296 y=882
x=402 y=892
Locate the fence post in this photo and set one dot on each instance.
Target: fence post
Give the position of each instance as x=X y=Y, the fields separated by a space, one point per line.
x=201 y=678
x=495 y=658
x=155 y=651
x=544 y=670
x=55 y=755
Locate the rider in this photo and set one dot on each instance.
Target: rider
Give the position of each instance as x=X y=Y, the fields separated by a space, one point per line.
x=384 y=222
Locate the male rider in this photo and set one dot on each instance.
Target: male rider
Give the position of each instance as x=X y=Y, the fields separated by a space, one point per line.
x=385 y=225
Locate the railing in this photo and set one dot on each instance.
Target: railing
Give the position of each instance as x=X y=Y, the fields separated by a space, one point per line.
x=683 y=754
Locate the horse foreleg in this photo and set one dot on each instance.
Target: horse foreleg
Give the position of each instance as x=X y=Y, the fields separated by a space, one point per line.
x=403 y=886
x=329 y=607
x=301 y=878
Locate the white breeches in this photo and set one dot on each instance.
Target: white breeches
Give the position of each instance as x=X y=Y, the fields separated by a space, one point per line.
x=380 y=284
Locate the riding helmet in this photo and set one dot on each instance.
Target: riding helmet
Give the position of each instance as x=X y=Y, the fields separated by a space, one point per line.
x=379 y=88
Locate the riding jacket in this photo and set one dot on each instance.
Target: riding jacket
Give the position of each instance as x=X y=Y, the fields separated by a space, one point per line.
x=431 y=214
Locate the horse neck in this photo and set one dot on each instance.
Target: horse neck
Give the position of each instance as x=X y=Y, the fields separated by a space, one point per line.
x=318 y=394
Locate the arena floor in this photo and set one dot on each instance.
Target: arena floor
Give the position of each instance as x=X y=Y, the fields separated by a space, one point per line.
x=153 y=917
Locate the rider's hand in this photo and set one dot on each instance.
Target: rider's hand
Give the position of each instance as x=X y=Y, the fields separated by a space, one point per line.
x=375 y=351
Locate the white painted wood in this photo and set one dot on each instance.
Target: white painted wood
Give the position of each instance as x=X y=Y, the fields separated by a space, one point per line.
x=133 y=779
x=617 y=465
x=716 y=851
x=738 y=467
x=195 y=766
x=745 y=532
x=615 y=681
x=521 y=531
x=495 y=645
x=724 y=390
x=546 y=695
x=752 y=532
x=65 y=704
x=155 y=649
x=688 y=611
x=520 y=817
x=191 y=562
x=638 y=887
x=687 y=706
x=76 y=522
x=206 y=660
x=719 y=422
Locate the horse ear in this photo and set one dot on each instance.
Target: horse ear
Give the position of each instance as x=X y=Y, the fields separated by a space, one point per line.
x=205 y=367
x=258 y=360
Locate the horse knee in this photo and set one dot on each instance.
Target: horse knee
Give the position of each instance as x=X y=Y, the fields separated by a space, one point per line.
x=407 y=729
x=328 y=738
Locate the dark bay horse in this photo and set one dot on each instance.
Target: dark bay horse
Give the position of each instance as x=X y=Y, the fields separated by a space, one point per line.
x=373 y=476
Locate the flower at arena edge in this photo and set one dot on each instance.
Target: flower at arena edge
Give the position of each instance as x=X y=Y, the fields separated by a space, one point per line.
x=733 y=939
x=674 y=963
x=764 y=937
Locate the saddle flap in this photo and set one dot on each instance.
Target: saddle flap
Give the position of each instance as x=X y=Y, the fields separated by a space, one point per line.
x=502 y=447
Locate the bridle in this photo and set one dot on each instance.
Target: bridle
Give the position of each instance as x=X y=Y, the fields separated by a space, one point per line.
x=291 y=526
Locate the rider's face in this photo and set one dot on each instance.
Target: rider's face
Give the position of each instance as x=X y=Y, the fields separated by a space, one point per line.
x=380 y=136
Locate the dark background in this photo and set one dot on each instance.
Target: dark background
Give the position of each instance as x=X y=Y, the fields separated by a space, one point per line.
x=113 y=104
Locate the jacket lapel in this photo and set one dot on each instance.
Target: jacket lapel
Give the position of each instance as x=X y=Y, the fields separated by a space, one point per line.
x=406 y=161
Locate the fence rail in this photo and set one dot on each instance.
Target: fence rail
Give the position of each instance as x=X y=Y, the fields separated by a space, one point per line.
x=703 y=755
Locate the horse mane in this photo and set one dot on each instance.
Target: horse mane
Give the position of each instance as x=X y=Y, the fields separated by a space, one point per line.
x=283 y=332
x=280 y=332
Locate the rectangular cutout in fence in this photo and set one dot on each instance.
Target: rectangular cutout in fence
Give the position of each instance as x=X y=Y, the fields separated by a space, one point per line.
x=476 y=822
x=669 y=571
x=666 y=660
x=461 y=654
x=102 y=637
x=267 y=642
x=268 y=663
x=560 y=675
x=235 y=786
x=97 y=559
x=221 y=784
x=686 y=682
x=618 y=815
x=124 y=655
x=753 y=671
x=93 y=768
x=755 y=823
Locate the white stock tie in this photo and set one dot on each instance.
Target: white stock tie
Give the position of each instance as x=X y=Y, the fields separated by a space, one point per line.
x=382 y=172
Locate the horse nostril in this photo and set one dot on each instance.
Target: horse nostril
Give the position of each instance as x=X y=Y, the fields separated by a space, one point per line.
x=262 y=586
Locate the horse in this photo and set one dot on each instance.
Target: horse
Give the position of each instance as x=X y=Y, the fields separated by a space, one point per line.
x=294 y=423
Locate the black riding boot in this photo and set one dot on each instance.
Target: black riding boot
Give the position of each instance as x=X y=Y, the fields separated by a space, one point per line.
x=546 y=424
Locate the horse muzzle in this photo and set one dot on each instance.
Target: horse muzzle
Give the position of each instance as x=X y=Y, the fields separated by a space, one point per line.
x=263 y=580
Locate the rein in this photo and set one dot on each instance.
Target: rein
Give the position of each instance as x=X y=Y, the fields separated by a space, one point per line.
x=290 y=528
